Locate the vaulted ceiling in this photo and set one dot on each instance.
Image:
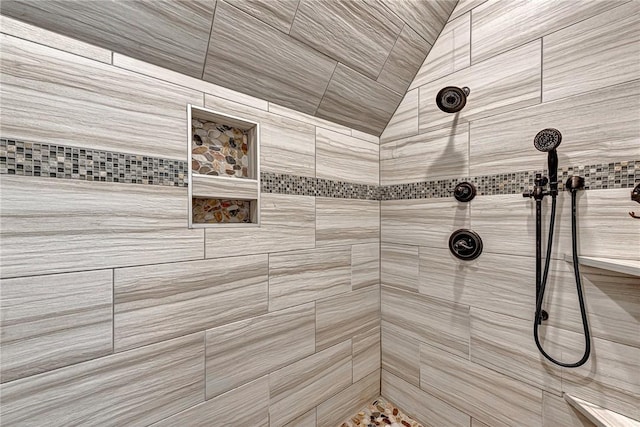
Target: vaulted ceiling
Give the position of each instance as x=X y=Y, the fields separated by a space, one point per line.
x=349 y=61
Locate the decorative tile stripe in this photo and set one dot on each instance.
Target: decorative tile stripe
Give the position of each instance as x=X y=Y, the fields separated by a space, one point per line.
x=597 y=177
x=61 y=161
x=308 y=186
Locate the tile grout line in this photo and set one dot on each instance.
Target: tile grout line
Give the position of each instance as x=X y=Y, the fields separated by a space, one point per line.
x=113 y=311
x=325 y=91
x=206 y=52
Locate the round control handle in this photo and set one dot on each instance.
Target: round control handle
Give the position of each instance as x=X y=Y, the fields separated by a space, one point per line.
x=465 y=244
x=464 y=192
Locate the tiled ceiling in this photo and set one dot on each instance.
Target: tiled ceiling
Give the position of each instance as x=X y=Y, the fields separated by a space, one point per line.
x=349 y=61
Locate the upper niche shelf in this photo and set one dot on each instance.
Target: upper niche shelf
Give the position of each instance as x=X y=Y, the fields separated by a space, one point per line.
x=625 y=266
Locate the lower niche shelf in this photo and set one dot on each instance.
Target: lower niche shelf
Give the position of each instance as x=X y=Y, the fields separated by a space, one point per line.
x=600 y=416
x=222 y=211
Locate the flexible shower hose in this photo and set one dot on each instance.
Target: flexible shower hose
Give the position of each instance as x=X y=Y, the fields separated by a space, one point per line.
x=576 y=272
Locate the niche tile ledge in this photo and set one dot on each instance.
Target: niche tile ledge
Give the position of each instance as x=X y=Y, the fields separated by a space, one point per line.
x=601 y=417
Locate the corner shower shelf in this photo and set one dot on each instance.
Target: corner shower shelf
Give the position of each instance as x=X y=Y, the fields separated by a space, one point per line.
x=601 y=417
x=625 y=266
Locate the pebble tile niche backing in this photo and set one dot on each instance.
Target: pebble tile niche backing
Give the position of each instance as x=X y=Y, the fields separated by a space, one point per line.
x=218 y=150
x=220 y=211
x=67 y=162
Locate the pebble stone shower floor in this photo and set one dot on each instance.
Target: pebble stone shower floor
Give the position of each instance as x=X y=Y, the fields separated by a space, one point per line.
x=380 y=413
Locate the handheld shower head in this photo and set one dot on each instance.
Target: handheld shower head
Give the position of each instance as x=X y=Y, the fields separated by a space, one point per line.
x=547 y=140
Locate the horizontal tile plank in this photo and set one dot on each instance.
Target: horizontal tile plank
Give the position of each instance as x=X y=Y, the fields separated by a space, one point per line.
x=420 y=405
x=245 y=350
x=85 y=225
x=437 y=322
x=343 y=405
x=504 y=344
x=170 y=34
x=279 y=14
x=303 y=276
x=134 y=388
x=420 y=222
x=399 y=266
x=608 y=44
x=179 y=79
x=557 y=412
x=304 y=420
x=486 y=395
x=245 y=405
x=283 y=70
x=349 y=97
x=345 y=158
x=597 y=127
x=499 y=26
x=85 y=103
x=495 y=88
x=287 y=222
x=608 y=379
x=347 y=221
x=39 y=35
x=451 y=52
x=155 y=303
x=612 y=299
x=361 y=39
x=286 y=145
x=404 y=60
x=497 y=282
x=426 y=157
x=297 y=388
x=404 y=122
x=307 y=118
x=53 y=321
x=427 y=18
x=365 y=265
x=343 y=316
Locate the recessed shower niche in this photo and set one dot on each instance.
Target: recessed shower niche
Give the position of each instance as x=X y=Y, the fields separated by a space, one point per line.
x=224 y=174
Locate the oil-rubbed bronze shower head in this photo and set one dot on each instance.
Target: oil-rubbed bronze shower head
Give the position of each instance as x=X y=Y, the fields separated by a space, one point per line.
x=452 y=99
x=547 y=140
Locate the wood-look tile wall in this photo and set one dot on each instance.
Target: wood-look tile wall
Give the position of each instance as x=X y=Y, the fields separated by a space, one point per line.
x=115 y=313
x=346 y=61
x=457 y=345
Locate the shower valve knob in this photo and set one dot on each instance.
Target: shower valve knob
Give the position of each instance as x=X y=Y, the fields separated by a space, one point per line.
x=465 y=244
x=464 y=192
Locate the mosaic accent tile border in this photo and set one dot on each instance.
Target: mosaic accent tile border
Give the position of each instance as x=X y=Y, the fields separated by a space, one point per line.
x=624 y=174
x=61 y=161
x=320 y=187
x=597 y=177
